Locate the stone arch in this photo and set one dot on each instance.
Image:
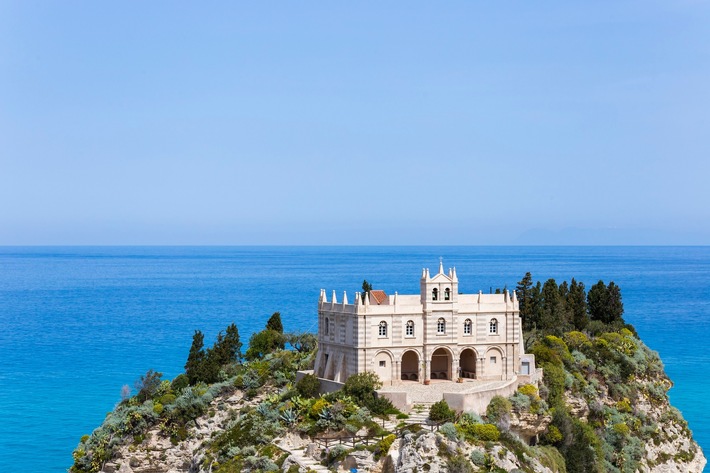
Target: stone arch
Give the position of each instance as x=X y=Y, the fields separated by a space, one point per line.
x=440 y=365
x=494 y=362
x=383 y=365
x=410 y=365
x=467 y=362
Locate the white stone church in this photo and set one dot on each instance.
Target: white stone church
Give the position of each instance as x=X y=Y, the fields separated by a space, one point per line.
x=438 y=334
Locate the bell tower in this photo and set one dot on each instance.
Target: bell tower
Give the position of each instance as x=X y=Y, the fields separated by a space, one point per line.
x=443 y=288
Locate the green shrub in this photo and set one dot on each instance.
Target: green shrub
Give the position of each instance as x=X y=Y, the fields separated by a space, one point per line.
x=264 y=342
x=383 y=446
x=552 y=436
x=623 y=406
x=308 y=386
x=458 y=464
x=498 y=410
x=449 y=431
x=621 y=429
x=336 y=454
x=362 y=385
x=528 y=389
x=441 y=412
x=483 y=432
x=470 y=418
x=166 y=399
x=554 y=379
x=478 y=458
x=520 y=401
x=576 y=340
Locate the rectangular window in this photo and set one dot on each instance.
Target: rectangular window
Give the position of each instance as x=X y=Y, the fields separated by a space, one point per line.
x=493 y=360
x=383 y=363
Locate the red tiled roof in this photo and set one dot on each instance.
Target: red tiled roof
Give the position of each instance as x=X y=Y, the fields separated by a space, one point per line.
x=377 y=296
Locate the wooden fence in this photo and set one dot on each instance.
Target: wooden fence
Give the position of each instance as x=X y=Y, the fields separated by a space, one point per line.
x=353 y=440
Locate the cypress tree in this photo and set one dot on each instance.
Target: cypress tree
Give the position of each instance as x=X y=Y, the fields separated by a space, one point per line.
x=233 y=344
x=552 y=316
x=274 y=323
x=366 y=288
x=196 y=358
x=615 y=306
x=227 y=348
x=536 y=306
x=524 y=294
x=598 y=302
x=577 y=304
x=564 y=290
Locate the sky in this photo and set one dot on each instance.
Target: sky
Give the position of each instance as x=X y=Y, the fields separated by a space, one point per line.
x=354 y=123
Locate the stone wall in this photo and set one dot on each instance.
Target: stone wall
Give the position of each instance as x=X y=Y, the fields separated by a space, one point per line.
x=326 y=385
x=478 y=401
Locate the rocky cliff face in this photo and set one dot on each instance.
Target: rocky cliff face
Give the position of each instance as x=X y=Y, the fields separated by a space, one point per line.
x=157 y=453
x=603 y=407
x=672 y=448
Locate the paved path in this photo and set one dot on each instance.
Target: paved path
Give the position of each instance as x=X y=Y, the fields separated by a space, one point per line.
x=423 y=394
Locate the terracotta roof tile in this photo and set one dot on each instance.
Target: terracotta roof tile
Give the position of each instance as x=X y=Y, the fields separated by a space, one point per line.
x=377 y=296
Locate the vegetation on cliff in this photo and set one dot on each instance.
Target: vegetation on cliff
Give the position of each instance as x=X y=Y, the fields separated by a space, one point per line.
x=601 y=406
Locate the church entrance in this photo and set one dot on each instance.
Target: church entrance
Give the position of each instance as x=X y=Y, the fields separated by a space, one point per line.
x=441 y=364
x=410 y=366
x=467 y=363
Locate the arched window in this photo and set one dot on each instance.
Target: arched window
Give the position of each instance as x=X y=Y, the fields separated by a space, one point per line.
x=326 y=327
x=493 y=326
x=383 y=329
x=409 y=330
x=467 y=327
x=441 y=326
x=435 y=294
x=447 y=294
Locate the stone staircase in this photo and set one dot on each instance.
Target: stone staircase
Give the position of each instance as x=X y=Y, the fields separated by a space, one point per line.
x=306 y=461
x=418 y=415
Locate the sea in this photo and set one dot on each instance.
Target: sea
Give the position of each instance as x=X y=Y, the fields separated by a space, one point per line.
x=78 y=323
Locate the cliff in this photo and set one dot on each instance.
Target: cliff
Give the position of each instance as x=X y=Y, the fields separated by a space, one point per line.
x=603 y=406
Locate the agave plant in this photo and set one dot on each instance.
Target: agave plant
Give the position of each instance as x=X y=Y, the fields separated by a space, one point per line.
x=289 y=417
x=263 y=409
x=326 y=418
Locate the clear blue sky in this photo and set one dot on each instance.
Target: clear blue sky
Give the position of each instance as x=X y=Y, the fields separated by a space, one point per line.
x=354 y=122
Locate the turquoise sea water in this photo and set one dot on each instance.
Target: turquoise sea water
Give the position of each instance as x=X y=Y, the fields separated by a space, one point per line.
x=79 y=322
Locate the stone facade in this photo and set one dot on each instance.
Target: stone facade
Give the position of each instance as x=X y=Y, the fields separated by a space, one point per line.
x=437 y=334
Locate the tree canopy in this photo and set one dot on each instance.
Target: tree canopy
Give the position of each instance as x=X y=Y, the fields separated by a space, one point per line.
x=554 y=309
